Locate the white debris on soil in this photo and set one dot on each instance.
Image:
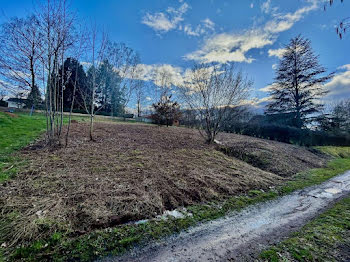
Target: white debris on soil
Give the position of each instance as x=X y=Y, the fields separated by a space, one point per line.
x=141 y=221
x=177 y=213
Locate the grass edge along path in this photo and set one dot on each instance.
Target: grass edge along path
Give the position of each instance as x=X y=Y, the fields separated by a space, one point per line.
x=319 y=240
x=115 y=241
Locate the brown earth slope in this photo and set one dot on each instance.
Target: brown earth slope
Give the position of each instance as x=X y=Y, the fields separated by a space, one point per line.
x=130 y=172
x=272 y=156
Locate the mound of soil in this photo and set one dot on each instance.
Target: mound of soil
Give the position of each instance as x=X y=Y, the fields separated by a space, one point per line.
x=129 y=172
x=272 y=156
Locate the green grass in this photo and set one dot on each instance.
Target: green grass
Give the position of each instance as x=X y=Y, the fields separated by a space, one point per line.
x=319 y=240
x=15 y=133
x=335 y=151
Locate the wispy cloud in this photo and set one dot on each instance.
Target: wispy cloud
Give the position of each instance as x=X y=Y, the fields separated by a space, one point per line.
x=173 y=19
x=267 y=88
x=226 y=47
x=165 y=21
x=205 y=26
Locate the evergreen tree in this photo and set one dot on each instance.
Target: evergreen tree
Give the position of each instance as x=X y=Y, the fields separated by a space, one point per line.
x=74 y=73
x=34 y=98
x=298 y=83
x=110 y=98
x=166 y=111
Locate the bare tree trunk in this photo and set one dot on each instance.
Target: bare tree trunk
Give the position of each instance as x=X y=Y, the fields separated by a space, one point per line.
x=91 y=127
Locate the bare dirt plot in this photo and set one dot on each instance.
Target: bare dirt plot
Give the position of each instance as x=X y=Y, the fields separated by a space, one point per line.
x=272 y=156
x=130 y=172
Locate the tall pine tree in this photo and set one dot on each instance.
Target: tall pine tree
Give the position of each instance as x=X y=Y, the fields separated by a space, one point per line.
x=298 y=84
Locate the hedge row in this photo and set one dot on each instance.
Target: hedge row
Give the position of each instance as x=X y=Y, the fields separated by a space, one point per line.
x=287 y=134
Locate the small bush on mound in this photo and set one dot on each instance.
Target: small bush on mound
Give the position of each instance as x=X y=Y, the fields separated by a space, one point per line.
x=287 y=134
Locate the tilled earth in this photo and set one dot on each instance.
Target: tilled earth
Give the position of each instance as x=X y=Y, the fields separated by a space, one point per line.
x=130 y=172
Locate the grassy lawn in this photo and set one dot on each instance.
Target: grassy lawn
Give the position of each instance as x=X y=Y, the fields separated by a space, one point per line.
x=15 y=133
x=323 y=239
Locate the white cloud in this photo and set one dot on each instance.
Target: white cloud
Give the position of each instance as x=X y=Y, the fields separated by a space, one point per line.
x=158 y=22
x=339 y=86
x=161 y=74
x=165 y=21
x=193 y=32
x=251 y=5
x=148 y=98
x=208 y=24
x=267 y=88
x=205 y=26
x=235 y=46
x=277 y=52
x=230 y=47
x=284 y=22
x=172 y=19
x=265 y=6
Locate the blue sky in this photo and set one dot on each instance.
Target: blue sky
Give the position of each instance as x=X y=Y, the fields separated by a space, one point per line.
x=178 y=33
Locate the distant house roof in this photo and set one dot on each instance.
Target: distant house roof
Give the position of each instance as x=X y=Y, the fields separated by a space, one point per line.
x=16 y=100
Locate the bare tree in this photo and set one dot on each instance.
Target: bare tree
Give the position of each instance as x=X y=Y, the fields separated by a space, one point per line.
x=97 y=49
x=163 y=80
x=210 y=91
x=79 y=50
x=139 y=92
x=125 y=61
x=56 y=24
x=20 y=51
x=298 y=83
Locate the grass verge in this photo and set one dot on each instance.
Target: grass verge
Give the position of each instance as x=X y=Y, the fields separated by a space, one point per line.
x=114 y=241
x=325 y=238
x=16 y=131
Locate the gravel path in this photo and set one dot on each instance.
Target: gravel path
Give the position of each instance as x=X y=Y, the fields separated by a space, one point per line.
x=241 y=236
